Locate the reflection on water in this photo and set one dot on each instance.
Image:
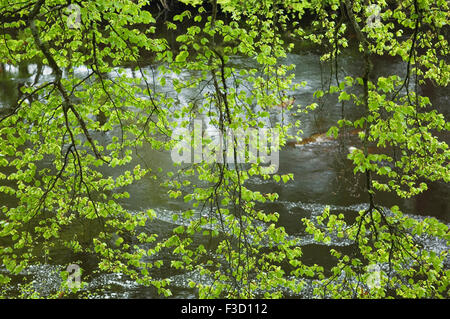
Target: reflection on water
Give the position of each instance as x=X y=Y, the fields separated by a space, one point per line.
x=322 y=175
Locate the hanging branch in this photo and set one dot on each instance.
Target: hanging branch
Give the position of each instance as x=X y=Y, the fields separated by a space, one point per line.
x=68 y=105
x=393 y=229
x=368 y=67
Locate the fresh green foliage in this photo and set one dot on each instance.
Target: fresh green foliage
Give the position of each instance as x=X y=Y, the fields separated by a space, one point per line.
x=52 y=151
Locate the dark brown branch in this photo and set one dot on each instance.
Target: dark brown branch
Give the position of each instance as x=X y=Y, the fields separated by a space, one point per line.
x=68 y=105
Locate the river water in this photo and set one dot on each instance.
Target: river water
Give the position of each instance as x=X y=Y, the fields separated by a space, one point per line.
x=322 y=176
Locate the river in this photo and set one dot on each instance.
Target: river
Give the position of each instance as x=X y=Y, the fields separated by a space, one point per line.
x=322 y=176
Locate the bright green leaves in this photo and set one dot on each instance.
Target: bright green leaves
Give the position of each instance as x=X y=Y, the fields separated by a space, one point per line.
x=192 y=2
x=387 y=84
x=383 y=267
x=56 y=176
x=318 y=94
x=181 y=57
x=399 y=151
x=122 y=113
x=228 y=216
x=333 y=132
x=344 y=96
x=285 y=178
x=146 y=17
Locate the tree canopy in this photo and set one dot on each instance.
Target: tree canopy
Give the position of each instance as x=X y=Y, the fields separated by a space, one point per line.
x=53 y=148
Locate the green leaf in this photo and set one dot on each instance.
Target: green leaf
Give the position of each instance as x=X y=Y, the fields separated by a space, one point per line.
x=181 y=57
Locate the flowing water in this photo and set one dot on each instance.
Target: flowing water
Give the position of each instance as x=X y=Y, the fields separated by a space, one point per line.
x=322 y=176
